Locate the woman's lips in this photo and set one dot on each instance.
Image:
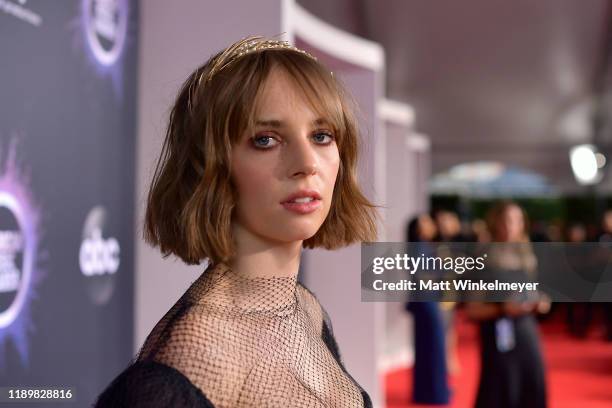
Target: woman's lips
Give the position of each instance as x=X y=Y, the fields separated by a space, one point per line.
x=303 y=201
x=302 y=205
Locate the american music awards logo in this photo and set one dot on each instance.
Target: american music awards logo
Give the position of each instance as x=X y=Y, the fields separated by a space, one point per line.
x=19 y=274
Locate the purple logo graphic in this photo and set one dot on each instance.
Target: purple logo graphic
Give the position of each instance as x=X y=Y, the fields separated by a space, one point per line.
x=19 y=276
x=102 y=31
x=105 y=24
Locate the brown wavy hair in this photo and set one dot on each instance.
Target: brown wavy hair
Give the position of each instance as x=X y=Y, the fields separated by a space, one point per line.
x=191 y=200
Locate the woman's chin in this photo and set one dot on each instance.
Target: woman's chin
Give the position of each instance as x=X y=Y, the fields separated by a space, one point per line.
x=299 y=232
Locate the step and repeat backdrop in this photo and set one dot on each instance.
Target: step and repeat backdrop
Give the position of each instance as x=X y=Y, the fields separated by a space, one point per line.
x=67 y=140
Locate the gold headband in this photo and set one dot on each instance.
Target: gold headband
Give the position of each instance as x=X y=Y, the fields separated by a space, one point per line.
x=248 y=45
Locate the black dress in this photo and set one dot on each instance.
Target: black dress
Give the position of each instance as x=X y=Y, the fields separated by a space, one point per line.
x=512 y=378
x=272 y=347
x=512 y=368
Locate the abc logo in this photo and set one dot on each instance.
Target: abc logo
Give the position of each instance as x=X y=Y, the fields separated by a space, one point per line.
x=98 y=256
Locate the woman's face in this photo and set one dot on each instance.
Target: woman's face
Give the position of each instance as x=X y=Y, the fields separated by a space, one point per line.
x=286 y=167
x=576 y=233
x=448 y=224
x=512 y=224
x=427 y=228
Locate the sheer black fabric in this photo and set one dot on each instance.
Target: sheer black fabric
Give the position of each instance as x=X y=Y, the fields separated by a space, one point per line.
x=150 y=384
x=233 y=341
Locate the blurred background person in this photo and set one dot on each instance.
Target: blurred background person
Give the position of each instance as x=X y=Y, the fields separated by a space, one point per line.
x=449 y=230
x=605 y=236
x=512 y=369
x=579 y=314
x=480 y=230
x=430 y=382
x=576 y=232
x=449 y=226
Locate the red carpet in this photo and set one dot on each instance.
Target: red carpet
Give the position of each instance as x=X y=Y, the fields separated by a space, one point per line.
x=579 y=371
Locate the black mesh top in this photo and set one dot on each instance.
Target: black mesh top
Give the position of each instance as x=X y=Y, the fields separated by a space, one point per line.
x=232 y=341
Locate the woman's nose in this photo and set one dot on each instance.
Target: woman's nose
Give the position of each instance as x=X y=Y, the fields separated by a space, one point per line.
x=303 y=160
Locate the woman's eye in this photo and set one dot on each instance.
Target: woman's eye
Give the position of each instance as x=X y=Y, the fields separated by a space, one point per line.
x=264 y=142
x=323 y=138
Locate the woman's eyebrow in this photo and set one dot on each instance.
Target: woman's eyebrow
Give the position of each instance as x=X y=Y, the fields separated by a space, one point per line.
x=321 y=122
x=269 y=123
x=279 y=123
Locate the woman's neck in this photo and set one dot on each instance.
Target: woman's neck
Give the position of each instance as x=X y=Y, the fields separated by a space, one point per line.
x=259 y=257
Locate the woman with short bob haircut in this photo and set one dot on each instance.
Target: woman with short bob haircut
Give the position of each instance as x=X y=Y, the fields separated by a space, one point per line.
x=259 y=161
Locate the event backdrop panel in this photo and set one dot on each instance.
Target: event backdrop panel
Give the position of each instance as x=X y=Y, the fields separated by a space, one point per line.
x=67 y=118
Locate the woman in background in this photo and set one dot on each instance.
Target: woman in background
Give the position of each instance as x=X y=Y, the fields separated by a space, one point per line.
x=430 y=382
x=512 y=369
